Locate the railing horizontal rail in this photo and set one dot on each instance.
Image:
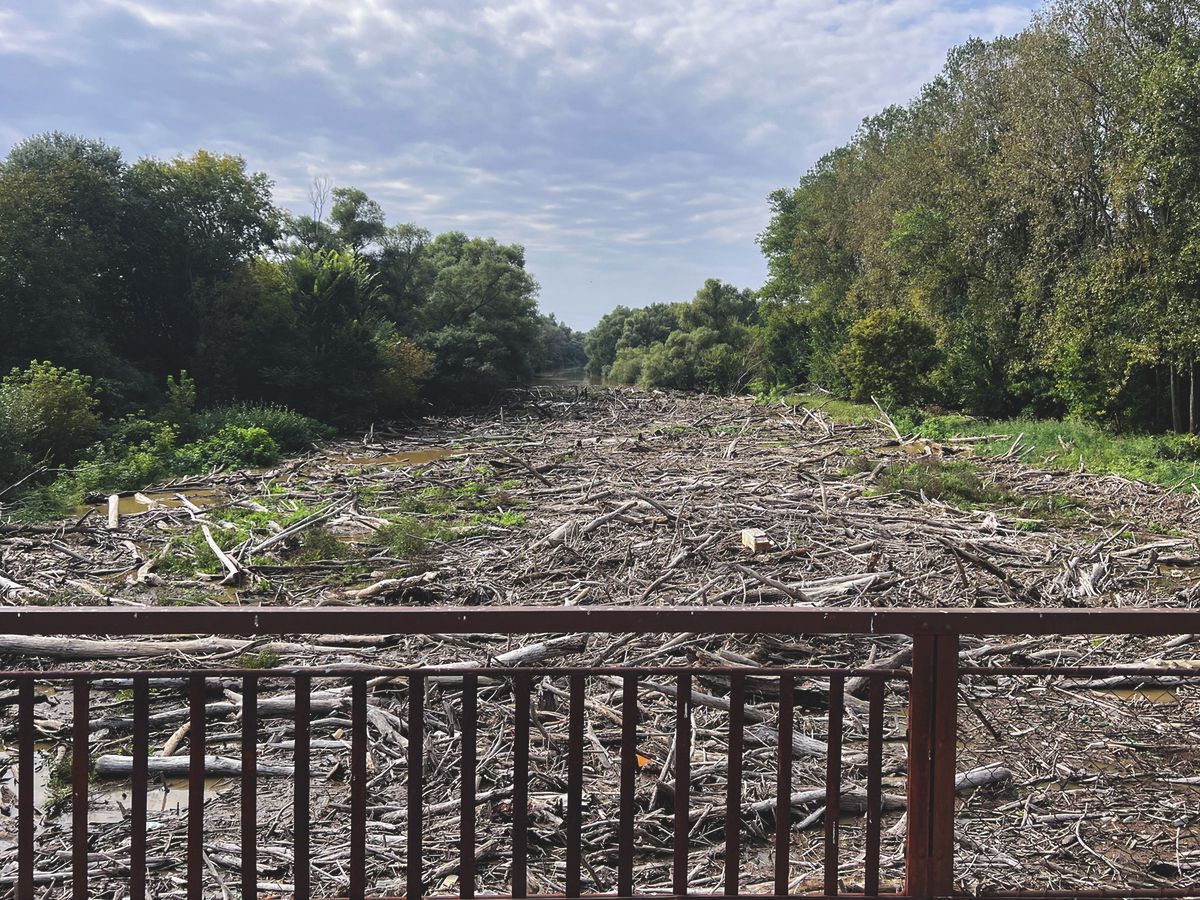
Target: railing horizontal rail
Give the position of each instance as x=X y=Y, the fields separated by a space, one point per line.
x=161 y=675
x=590 y=620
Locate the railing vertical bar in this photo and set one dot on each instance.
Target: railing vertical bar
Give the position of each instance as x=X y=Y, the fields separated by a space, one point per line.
x=920 y=734
x=520 y=848
x=629 y=715
x=466 y=814
x=80 y=765
x=25 y=787
x=249 y=860
x=944 y=752
x=783 y=785
x=195 y=827
x=574 y=881
x=683 y=782
x=416 y=782
x=139 y=787
x=874 y=784
x=358 y=788
x=301 y=795
x=833 y=782
x=733 y=785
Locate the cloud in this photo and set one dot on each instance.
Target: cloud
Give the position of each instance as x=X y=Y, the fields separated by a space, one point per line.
x=629 y=145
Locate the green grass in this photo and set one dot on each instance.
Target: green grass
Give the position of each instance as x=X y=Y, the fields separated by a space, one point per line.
x=510 y=518
x=319 y=543
x=845 y=412
x=261 y=659
x=956 y=482
x=409 y=537
x=190 y=553
x=1168 y=460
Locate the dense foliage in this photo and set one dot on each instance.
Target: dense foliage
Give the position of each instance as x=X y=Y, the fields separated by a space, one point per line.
x=115 y=276
x=702 y=345
x=1022 y=238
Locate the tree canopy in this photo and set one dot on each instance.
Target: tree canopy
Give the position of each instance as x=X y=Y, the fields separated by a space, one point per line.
x=1032 y=212
x=130 y=272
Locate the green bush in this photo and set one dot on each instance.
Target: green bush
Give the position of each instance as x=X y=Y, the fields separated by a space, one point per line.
x=49 y=412
x=627 y=366
x=137 y=453
x=181 y=400
x=1179 y=446
x=890 y=356
x=230 y=448
x=942 y=428
x=15 y=463
x=290 y=430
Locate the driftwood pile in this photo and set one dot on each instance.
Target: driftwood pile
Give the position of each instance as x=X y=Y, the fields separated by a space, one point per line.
x=585 y=496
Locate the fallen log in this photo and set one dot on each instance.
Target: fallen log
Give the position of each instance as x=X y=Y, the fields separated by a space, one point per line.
x=234 y=568
x=93 y=649
x=390 y=586
x=281 y=707
x=111 y=765
x=854 y=798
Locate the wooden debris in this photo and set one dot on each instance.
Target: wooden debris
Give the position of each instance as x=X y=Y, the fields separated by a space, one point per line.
x=627 y=497
x=757 y=541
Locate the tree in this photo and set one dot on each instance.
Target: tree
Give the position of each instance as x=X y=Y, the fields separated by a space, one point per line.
x=60 y=252
x=249 y=336
x=649 y=325
x=359 y=220
x=558 y=346
x=480 y=319
x=334 y=368
x=601 y=342
x=187 y=224
x=719 y=306
x=890 y=356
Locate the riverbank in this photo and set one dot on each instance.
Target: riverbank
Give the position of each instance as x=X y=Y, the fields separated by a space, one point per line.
x=1169 y=460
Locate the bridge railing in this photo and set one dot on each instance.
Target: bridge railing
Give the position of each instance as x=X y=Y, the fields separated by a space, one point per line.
x=340 y=697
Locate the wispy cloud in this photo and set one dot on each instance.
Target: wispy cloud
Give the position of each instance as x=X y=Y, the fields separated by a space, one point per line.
x=629 y=145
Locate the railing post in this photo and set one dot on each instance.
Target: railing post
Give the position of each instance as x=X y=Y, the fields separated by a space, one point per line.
x=932 y=739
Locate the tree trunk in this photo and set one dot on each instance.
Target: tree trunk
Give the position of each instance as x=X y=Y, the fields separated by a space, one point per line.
x=1176 y=425
x=1192 y=400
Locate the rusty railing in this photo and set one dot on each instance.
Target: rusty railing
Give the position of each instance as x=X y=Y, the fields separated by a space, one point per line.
x=931 y=684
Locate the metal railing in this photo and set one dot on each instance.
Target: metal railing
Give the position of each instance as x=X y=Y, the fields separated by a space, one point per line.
x=931 y=683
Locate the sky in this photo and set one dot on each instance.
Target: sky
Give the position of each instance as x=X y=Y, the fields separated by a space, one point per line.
x=630 y=145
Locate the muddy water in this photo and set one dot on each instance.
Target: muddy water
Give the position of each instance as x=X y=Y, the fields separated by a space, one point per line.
x=108 y=798
x=1156 y=696
x=566 y=377
x=131 y=505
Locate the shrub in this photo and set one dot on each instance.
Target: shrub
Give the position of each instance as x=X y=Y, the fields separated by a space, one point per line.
x=49 y=411
x=319 y=543
x=627 y=366
x=405 y=368
x=181 y=400
x=289 y=429
x=890 y=356
x=941 y=428
x=229 y=448
x=1179 y=446
x=137 y=453
x=14 y=461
